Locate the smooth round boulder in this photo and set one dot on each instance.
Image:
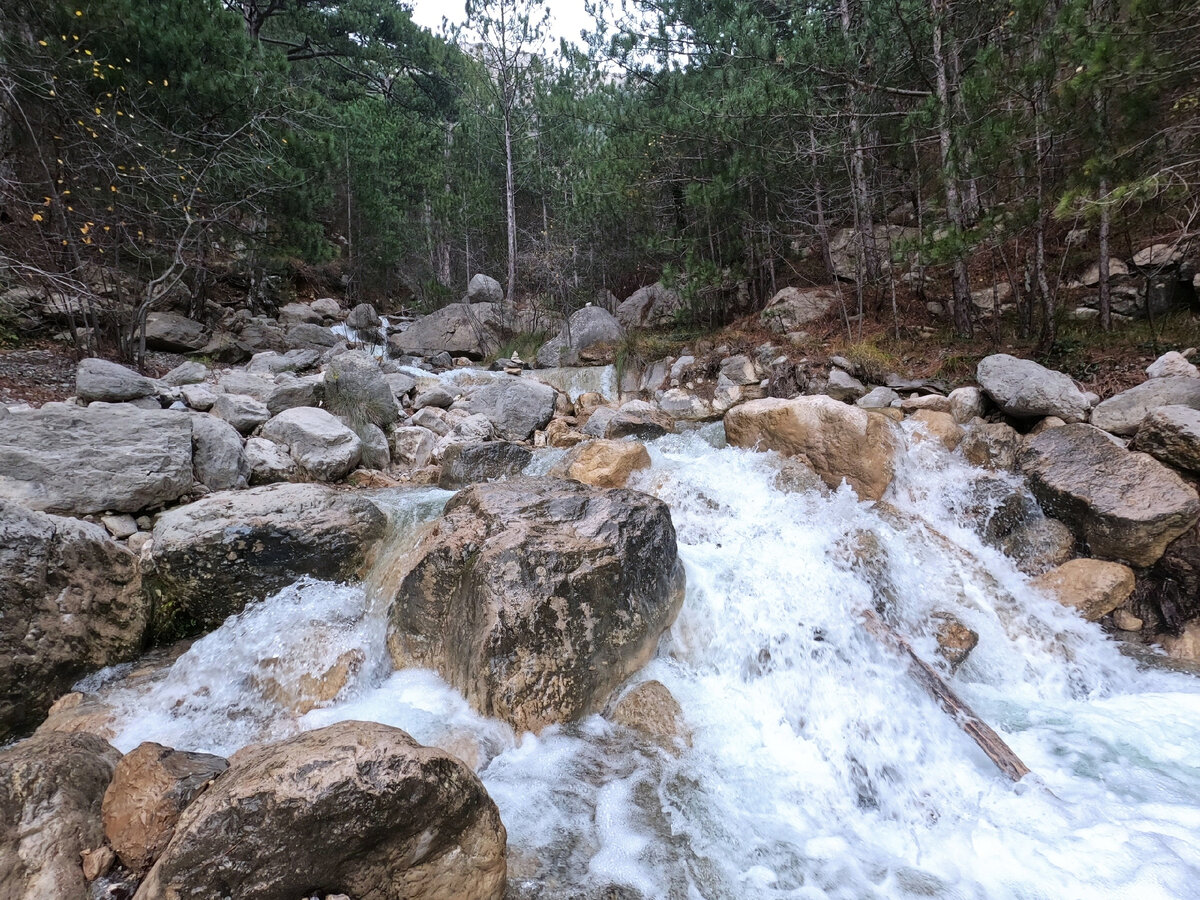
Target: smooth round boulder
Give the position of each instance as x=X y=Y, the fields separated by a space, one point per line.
x=537 y=597
x=603 y=463
x=99 y=379
x=1092 y=586
x=356 y=808
x=321 y=445
x=1024 y=389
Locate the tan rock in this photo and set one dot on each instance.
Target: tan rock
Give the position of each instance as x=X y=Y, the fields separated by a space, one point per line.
x=940 y=426
x=955 y=640
x=1092 y=586
x=603 y=463
x=1185 y=646
x=838 y=440
x=651 y=709
x=1127 y=621
x=97 y=862
x=991 y=446
x=932 y=402
x=1045 y=425
x=559 y=433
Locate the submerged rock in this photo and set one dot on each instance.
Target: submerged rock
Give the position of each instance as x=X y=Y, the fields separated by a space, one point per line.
x=538 y=597
x=651 y=709
x=357 y=808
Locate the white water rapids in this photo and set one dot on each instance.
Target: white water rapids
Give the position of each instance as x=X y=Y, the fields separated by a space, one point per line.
x=817 y=768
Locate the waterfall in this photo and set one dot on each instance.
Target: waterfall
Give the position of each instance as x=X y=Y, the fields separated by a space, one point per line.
x=816 y=767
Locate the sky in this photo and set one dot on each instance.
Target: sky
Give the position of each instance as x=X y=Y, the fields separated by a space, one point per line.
x=567 y=17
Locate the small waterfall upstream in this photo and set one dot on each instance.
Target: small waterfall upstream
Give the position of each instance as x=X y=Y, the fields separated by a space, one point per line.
x=816 y=767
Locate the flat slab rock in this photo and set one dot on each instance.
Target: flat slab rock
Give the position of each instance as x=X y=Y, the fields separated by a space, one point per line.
x=1125 y=506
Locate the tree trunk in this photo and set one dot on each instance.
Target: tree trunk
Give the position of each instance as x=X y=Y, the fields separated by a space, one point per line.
x=511 y=201
x=858 y=167
x=1105 y=290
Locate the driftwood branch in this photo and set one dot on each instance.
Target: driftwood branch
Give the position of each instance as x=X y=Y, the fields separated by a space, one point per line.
x=966 y=719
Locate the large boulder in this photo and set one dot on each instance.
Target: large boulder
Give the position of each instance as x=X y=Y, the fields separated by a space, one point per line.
x=839 y=441
x=1092 y=586
x=1024 y=389
x=1125 y=506
x=99 y=379
x=1171 y=434
x=241 y=411
x=363 y=316
x=1123 y=413
x=151 y=786
x=464 y=464
x=278 y=392
x=792 y=308
x=484 y=289
x=587 y=330
x=174 y=333
x=516 y=406
x=71 y=601
x=212 y=557
x=321 y=445
x=356 y=808
x=460 y=329
x=603 y=463
x=77 y=461
x=51 y=788
x=218 y=460
x=649 y=307
x=304 y=336
x=537 y=597
x=357 y=391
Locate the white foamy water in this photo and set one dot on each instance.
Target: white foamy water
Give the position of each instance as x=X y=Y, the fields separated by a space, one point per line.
x=817 y=768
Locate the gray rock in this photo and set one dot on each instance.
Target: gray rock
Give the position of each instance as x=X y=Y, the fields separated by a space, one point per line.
x=441 y=360
x=465 y=429
x=217 y=457
x=844 y=386
x=78 y=461
x=363 y=316
x=967 y=403
x=597 y=423
x=309 y=337
x=460 y=329
x=650 y=307
x=1125 y=506
x=293 y=313
x=793 y=308
x=186 y=373
x=1172 y=363
x=739 y=369
x=242 y=412
x=400 y=383
x=878 y=398
x=174 y=333
x=271 y=363
x=412 y=446
x=99 y=379
x=327 y=308
x=992 y=446
x=681 y=404
x=433 y=419
x=464 y=464
x=269 y=462
x=212 y=557
x=356 y=390
x=516 y=406
x=586 y=331
x=1124 y=412
x=484 y=289
x=72 y=603
x=436 y=396
x=1171 y=434
x=375 y=451
x=638 y=419
x=119 y=525
x=198 y=397
x=1024 y=389
x=1039 y=544
x=321 y=445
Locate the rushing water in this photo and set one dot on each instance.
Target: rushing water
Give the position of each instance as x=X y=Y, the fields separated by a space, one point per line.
x=816 y=767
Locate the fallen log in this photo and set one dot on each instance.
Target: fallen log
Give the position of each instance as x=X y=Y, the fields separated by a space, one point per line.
x=966 y=719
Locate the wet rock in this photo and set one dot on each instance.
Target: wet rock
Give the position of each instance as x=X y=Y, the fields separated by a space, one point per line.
x=150 y=787
x=1171 y=434
x=603 y=463
x=967 y=403
x=1024 y=389
x=174 y=333
x=1172 y=364
x=218 y=461
x=356 y=807
x=72 y=603
x=538 y=597
x=321 y=445
x=412 y=446
x=212 y=557
x=993 y=446
x=1168 y=593
x=241 y=411
x=795 y=476
x=1125 y=506
x=357 y=392
x=459 y=329
x=51 y=787
x=516 y=406
x=1038 y=545
x=77 y=461
x=484 y=289
x=464 y=464
x=651 y=709
x=940 y=426
x=839 y=441
x=955 y=640
x=1092 y=586
x=99 y=379
x=590 y=336
x=638 y=419
x=1124 y=412
x=650 y=307
x=681 y=404
x=269 y=462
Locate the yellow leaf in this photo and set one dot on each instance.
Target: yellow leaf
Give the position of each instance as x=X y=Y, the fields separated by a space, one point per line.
x=79 y=12
x=37 y=217
x=164 y=82
x=42 y=44
x=97 y=110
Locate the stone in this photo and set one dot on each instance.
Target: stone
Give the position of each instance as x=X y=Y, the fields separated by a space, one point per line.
x=198 y=397
x=940 y=426
x=1168 y=593
x=844 y=386
x=1157 y=256
x=638 y=419
x=484 y=289
x=174 y=333
x=681 y=404
x=1045 y=425
x=955 y=640
x=401 y=384
x=80 y=461
x=878 y=398
x=515 y=405
x=650 y=307
x=598 y=420
x=1124 y=620
x=186 y=373
x=150 y=787
x=1171 y=434
x=433 y=419
x=992 y=445
x=363 y=316
x=1091 y=277
x=1124 y=506
x=838 y=440
x=538 y=597
x=357 y=392
x=459 y=329
x=1038 y=545
x=99 y=379
x=412 y=446
x=603 y=463
x=651 y=709
x=212 y=557
x=97 y=862
x=304 y=336
x=931 y=402
x=1172 y=364
x=241 y=411
x=72 y=603
x=739 y=369
x=591 y=335
x=119 y=525
x=465 y=429
x=464 y=464
x=324 y=448
x=1185 y=645
x=1123 y=413
x=792 y=308
x=437 y=396
x=327 y=308
x=51 y=788
x=967 y=403
x=1092 y=586
x=376 y=454
x=218 y=461
x=277 y=393
x=271 y=363
x=357 y=808
x=292 y=313
x=1024 y=389
x=268 y=462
